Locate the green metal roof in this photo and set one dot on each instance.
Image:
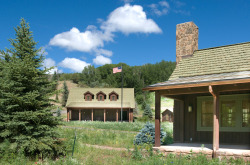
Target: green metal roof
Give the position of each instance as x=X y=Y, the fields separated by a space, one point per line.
x=223 y=59
x=76 y=98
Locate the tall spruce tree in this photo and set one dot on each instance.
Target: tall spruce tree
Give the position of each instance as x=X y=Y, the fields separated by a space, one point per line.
x=148 y=112
x=65 y=94
x=26 y=118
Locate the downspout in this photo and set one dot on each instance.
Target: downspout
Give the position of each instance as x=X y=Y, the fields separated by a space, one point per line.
x=215 y=120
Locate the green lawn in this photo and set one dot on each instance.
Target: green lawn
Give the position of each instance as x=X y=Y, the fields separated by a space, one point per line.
x=99 y=137
x=122 y=126
x=108 y=134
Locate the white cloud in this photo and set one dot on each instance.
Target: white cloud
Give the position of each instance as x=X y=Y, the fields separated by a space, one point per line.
x=130 y=19
x=81 y=41
x=48 y=63
x=43 y=52
x=101 y=60
x=161 y=8
x=126 y=19
x=73 y=64
x=104 y=52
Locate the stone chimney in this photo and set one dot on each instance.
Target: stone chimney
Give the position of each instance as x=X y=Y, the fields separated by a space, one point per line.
x=186 y=40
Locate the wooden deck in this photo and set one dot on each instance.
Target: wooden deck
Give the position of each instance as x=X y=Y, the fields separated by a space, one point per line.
x=225 y=151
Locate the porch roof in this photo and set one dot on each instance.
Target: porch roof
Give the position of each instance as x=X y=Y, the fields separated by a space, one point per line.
x=220 y=78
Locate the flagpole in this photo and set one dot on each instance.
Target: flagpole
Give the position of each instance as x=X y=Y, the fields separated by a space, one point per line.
x=121 y=94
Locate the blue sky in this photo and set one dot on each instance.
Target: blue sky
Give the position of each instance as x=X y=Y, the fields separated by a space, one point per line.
x=78 y=33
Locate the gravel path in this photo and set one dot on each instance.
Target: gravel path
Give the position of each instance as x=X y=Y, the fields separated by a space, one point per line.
x=108 y=148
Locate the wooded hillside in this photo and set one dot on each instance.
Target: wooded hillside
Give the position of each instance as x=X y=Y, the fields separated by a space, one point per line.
x=134 y=76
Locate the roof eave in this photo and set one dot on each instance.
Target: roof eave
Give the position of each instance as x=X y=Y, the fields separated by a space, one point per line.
x=189 y=85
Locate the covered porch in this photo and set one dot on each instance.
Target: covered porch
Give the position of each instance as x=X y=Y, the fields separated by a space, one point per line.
x=192 y=128
x=99 y=114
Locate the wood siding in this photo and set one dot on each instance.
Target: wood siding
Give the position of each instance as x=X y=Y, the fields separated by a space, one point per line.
x=190 y=125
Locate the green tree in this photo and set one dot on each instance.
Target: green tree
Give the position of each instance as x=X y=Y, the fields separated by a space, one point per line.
x=26 y=118
x=65 y=94
x=55 y=80
x=148 y=111
x=91 y=76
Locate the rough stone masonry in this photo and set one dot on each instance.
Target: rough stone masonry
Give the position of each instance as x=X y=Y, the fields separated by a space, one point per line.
x=186 y=40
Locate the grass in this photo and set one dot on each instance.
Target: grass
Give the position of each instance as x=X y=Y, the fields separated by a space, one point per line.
x=122 y=126
x=100 y=137
x=85 y=155
x=106 y=134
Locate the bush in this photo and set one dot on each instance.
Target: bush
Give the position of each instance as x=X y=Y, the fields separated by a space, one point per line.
x=143 y=105
x=139 y=99
x=143 y=119
x=168 y=139
x=147 y=135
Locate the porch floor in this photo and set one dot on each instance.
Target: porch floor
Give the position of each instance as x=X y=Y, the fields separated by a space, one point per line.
x=224 y=150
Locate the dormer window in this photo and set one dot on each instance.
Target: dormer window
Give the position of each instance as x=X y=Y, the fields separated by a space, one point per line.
x=88 y=96
x=101 y=96
x=113 y=96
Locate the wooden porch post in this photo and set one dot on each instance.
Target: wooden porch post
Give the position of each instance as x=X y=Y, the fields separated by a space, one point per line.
x=80 y=114
x=129 y=116
x=116 y=115
x=104 y=115
x=132 y=116
x=92 y=115
x=157 y=119
x=67 y=115
x=216 y=131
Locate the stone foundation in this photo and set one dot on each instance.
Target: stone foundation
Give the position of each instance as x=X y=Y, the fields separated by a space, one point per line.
x=221 y=153
x=183 y=151
x=233 y=153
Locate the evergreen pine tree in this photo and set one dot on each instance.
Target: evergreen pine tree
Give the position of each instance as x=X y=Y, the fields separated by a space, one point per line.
x=65 y=94
x=26 y=118
x=148 y=112
x=55 y=81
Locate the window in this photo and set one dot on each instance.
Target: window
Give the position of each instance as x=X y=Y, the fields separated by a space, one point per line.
x=88 y=96
x=113 y=96
x=246 y=113
x=228 y=113
x=100 y=98
x=207 y=113
x=234 y=113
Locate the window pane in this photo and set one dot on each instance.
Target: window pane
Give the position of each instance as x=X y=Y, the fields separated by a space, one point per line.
x=207 y=113
x=100 y=97
x=246 y=113
x=228 y=113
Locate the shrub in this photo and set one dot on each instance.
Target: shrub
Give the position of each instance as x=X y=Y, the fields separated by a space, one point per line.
x=143 y=119
x=143 y=105
x=147 y=135
x=148 y=112
x=168 y=139
x=139 y=99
